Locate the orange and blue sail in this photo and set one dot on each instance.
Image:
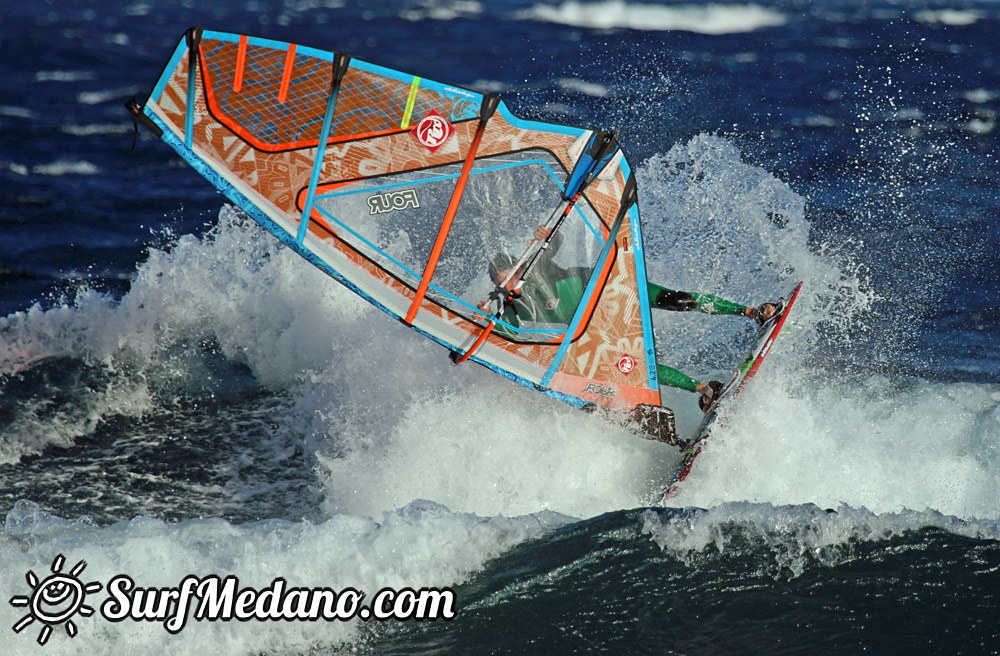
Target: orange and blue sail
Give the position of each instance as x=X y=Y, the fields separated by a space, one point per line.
x=403 y=189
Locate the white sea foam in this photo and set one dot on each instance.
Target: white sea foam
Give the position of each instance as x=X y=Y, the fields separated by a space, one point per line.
x=14 y=167
x=490 y=86
x=16 y=112
x=64 y=76
x=394 y=420
x=95 y=129
x=421 y=545
x=138 y=9
x=818 y=121
x=492 y=449
x=980 y=96
x=703 y=19
x=441 y=10
x=795 y=536
x=980 y=126
x=804 y=436
x=107 y=95
x=951 y=17
x=66 y=167
x=802 y=432
x=576 y=85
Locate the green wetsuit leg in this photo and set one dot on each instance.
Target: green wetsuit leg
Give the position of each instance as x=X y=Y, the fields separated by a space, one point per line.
x=668 y=299
x=674 y=378
x=714 y=305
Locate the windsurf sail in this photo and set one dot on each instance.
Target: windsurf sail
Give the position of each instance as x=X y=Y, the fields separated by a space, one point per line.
x=405 y=190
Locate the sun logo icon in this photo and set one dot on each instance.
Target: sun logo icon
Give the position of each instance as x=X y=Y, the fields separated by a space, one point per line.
x=55 y=600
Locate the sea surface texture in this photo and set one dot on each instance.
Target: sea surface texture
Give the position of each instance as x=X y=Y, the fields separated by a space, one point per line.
x=180 y=395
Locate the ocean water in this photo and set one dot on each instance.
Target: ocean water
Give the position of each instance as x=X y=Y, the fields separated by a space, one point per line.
x=180 y=395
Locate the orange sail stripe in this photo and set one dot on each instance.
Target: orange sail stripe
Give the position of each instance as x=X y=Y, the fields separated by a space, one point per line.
x=449 y=217
x=595 y=297
x=241 y=60
x=479 y=342
x=286 y=75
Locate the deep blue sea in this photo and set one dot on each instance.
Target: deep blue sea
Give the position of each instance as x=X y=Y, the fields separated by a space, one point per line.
x=181 y=395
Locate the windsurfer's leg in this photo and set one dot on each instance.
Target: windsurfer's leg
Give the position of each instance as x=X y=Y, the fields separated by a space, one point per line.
x=669 y=299
x=674 y=378
x=714 y=305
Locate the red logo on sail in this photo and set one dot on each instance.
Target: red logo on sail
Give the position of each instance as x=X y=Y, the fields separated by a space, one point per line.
x=626 y=364
x=433 y=131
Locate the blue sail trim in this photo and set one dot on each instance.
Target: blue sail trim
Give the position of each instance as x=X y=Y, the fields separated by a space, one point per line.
x=189 y=110
x=580 y=171
x=644 y=306
x=161 y=84
x=324 y=134
x=587 y=166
